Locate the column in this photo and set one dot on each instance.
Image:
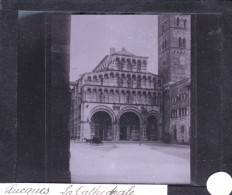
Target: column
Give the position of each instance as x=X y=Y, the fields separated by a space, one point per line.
x=116 y=131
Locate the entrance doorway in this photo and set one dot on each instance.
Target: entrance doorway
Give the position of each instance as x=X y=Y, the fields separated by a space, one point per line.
x=101 y=125
x=151 y=130
x=129 y=126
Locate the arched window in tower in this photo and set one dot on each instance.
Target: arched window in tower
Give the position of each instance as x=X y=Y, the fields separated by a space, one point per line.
x=185 y=23
x=184 y=43
x=180 y=42
x=178 y=21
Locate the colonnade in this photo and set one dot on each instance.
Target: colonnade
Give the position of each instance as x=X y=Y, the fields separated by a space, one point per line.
x=120 y=79
x=109 y=95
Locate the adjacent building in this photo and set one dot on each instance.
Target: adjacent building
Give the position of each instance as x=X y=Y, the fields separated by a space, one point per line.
x=174 y=54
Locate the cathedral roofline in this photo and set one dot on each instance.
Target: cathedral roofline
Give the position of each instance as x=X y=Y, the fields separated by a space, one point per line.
x=100 y=63
x=108 y=71
x=124 y=52
x=113 y=52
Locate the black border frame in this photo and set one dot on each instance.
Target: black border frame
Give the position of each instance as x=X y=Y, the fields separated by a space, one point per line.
x=212 y=86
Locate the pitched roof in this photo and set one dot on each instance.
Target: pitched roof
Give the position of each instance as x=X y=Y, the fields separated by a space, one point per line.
x=124 y=52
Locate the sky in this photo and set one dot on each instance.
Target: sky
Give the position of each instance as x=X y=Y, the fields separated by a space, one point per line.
x=92 y=36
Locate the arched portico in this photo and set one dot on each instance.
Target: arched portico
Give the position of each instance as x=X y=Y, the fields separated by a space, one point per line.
x=101 y=125
x=129 y=119
x=101 y=120
x=130 y=109
x=129 y=126
x=104 y=109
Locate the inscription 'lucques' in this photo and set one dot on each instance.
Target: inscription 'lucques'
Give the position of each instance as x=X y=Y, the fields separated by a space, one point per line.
x=14 y=189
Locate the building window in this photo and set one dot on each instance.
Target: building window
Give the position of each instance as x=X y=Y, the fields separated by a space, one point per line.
x=139 y=83
x=180 y=41
x=154 y=84
x=159 y=83
x=184 y=43
x=185 y=23
x=149 y=99
x=182 y=112
x=174 y=134
x=182 y=129
x=139 y=67
x=100 y=98
x=154 y=99
x=89 y=79
x=179 y=111
x=178 y=21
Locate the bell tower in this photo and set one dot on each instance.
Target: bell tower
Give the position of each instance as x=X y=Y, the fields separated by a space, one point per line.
x=174 y=38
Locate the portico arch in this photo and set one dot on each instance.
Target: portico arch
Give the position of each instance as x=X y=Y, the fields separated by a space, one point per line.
x=130 y=122
x=130 y=109
x=102 y=120
x=104 y=109
x=101 y=125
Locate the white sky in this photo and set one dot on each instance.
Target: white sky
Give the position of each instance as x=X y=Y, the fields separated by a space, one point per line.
x=92 y=36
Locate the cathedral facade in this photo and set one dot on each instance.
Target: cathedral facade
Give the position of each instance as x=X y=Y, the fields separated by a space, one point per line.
x=120 y=100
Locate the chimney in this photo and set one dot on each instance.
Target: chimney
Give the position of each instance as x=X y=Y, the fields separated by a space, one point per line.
x=112 y=50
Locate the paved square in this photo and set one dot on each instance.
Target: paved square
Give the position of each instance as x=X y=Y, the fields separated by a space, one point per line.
x=130 y=163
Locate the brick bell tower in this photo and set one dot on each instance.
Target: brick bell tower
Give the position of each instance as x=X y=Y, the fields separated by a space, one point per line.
x=174 y=37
